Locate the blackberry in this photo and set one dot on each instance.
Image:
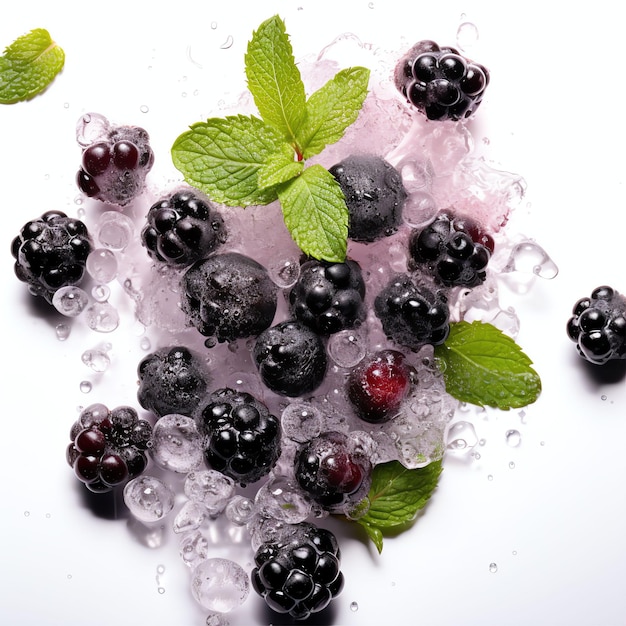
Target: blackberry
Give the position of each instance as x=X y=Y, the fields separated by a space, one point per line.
x=332 y=472
x=108 y=446
x=374 y=193
x=299 y=573
x=440 y=82
x=228 y=296
x=51 y=252
x=242 y=437
x=114 y=167
x=172 y=380
x=182 y=228
x=455 y=250
x=291 y=358
x=328 y=297
x=598 y=326
x=411 y=314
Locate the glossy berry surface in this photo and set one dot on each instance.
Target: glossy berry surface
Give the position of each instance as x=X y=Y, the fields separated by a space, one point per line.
x=598 y=326
x=378 y=385
x=172 y=380
x=411 y=314
x=242 y=438
x=108 y=447
x=182 y=228
x=328 y=297
x=375 y=196
x=299 y=574
x=455 y=250
x=51 y=252
x=332 y=472
x=440 y=82
x=291 y=358
x=228 y=296
x=114 y=168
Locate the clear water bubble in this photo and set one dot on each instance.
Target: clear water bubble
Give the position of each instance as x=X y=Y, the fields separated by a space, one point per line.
x=101 y=293
x=102 y=265
x=301 y=421
x=280 y=499
x=70 y=301
x=419 y=209
x=190 y=517
x=144 y=108
x=347 y=348
x=85 y=386
x=285 y=271
x=211 y=488
x=62 y=331
x=354 y=606
x=530 y=258
x=193 y=548
x=97 y=359
x=466 y=35
x=239 y=510
x=102 y=317
x=115 y=230
x=219 y=585
x=513 y=438
x=511 y=465
x=91 y=127
x=148 y=498
x=145 y=344
x=461 y=437
x=177 y=444
x=493 y=567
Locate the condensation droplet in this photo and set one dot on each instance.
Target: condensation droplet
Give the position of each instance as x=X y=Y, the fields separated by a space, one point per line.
x=493 y=568
x=85 y=386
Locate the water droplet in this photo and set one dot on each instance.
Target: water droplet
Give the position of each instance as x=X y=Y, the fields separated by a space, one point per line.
x=529 y=257
x=102 y=317
x=466 y=35
x=346 y=348
x=102 y=265
x=602 y=397
x=161 y=590
x=115 y=230
x=513 y=438
x=62 y=331
x=98 y=360
x=213 y=25
x=354 y=606
x=285 y=272
x=85 y=386
x=490 y=477
x=26 y=513
x=493 y=568
x=69 y=577
x=228 y=43
x=511 y=465
x=461 y=437
x=514 y=553
x=542 y=443
x=145 y=344
x=144 y=108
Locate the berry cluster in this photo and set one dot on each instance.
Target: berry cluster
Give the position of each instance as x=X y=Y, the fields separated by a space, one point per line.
x=182 y=229
x=598 y=326
x=172 y=380
x=328 y=297
x=114 y=168
x=455 y=250
x=242 y=437
x=108 y=446
x=440 y=82
x=300 y=573
x=51 y=252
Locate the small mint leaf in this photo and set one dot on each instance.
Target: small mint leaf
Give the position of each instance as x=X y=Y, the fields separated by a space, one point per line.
x=223 y=157
x=279 y=168
x=315 y=213
x=483 y=366
x=331 y=109
x=274 y=79
x=396 y=496
x=28 y=66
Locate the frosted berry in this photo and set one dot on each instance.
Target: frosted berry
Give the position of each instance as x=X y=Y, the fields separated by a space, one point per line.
x=182 y=228
x=299 y=573
x=598 y=326
x=242 y=437
x=114 y=166
x=51 y=252
x=411 y=314
x=378 y=385
x=108 y=447
x=291 y=358
x=333 y=472
x=375 y=196
x=172 y=380
x=455 y=250
x=328 y=297
x=228 y=296
x=440 y=82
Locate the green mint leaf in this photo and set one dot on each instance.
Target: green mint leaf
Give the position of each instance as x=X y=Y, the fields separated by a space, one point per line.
x=331 y=109
x=483 y=366
x=315 y=213
x=274 y=79
x=223 y=158
x=28 y=66
x=279 y=168
x=396 y=496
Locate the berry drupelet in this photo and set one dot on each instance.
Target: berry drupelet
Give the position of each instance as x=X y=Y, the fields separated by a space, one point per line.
x=51 y=252
x=440 y=82
x=598 y=326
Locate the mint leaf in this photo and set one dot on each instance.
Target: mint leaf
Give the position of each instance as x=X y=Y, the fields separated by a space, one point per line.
x=396 y=496
x=484 y=366
x=279 y=168
x=315 y=213
x=223 y=158
x=28 y=66
x=331 y=109
x=274 y=79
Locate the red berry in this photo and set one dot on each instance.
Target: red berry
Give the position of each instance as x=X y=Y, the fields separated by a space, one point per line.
x=379 y=384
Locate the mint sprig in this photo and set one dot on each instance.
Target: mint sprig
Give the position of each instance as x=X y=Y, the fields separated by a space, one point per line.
x=396 y=496
x=245 y=160
x=28 y=66
x=481 y=365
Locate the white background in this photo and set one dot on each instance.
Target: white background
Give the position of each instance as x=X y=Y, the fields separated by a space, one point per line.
x=554 y=524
